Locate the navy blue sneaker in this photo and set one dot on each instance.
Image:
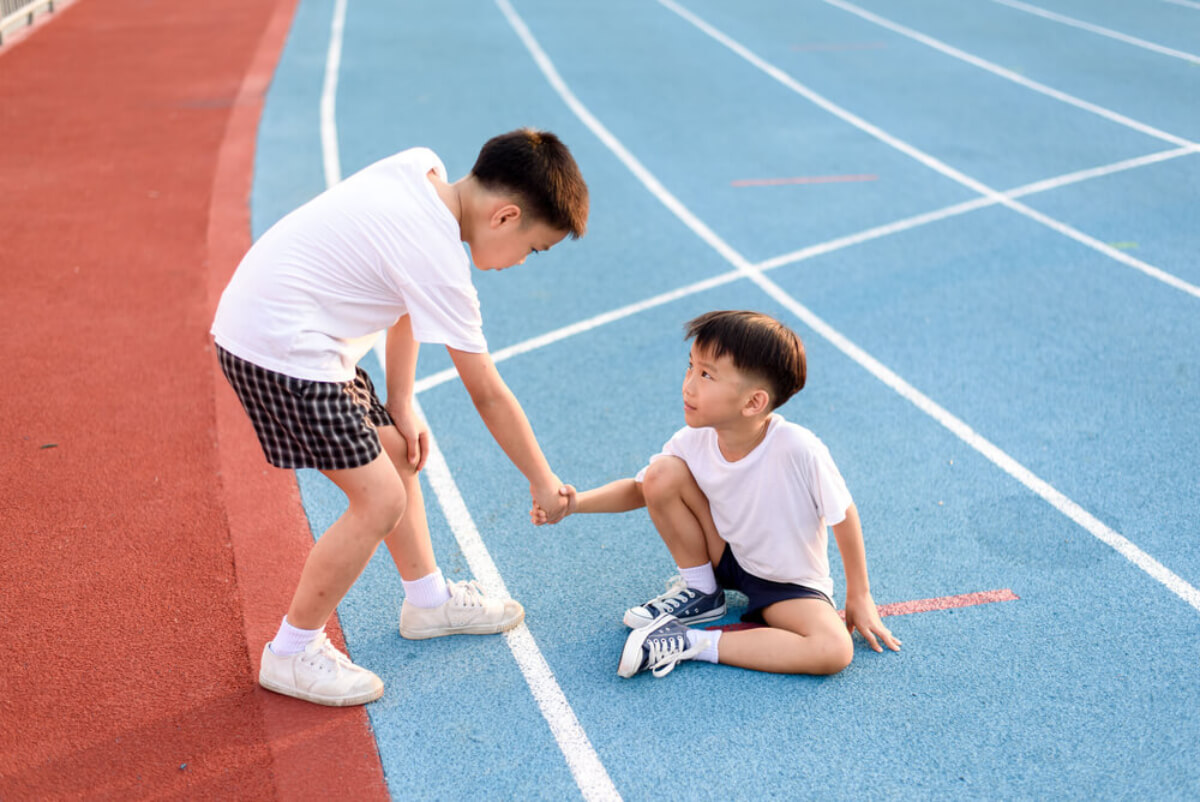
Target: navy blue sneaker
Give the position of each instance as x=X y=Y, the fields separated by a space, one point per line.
x=657 y=647
x=689 y=605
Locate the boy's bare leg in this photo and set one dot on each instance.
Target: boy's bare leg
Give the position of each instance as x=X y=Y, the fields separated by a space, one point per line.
x=802 y=636
x=409 y=543
x=376 y=502
x=465 y=611
x=679 y=510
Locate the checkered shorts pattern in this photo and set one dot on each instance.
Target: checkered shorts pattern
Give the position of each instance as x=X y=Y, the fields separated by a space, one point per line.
x=309 y=424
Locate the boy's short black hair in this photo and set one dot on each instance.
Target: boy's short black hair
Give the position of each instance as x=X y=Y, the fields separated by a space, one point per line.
x=537 y=168
x=757 y=344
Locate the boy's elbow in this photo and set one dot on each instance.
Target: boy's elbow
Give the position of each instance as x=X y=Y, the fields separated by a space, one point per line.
x=635 y=497
x=488 y=397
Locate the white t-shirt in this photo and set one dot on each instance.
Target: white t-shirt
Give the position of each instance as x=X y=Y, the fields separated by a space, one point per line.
x=771 y=506
x=310 y=297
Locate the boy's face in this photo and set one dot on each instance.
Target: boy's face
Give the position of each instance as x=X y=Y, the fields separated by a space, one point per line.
x=507 y=243
x=715 y=392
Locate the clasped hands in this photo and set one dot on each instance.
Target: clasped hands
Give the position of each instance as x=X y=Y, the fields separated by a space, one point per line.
x=550 y=508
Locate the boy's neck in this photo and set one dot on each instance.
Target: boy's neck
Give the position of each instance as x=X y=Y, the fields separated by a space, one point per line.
x=452 y=195
x=737 y=439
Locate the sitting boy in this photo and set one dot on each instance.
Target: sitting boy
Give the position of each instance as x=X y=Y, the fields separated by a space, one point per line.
x=383 y=250
x=741 y=498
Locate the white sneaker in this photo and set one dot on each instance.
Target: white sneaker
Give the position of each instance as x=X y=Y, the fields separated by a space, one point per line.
x=466 y=612
x=319 y=674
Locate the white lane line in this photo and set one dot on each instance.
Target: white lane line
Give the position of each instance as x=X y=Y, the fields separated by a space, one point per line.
x=333 y=64
x=930 y=161
x=969 y=206
x=996 y=69
x=589 y=773
x=582 y=760
x=1097 y=172
x=809 y=252
x=1059 y=501
x=1111 y=34
x=1185 y=3
x=542 y=340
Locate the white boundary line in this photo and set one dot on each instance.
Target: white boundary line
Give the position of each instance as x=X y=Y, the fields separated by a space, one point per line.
x=550 y=337
x=1059 y=501
x=1087 y=26
x=930 y=161
x=971 y=205
x=996 y=69
x=333 y=64
x=588 y=772
x=809 y=252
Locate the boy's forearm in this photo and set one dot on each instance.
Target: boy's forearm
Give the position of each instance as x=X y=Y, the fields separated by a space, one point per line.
x=401 y=365
x=504 y=418
x=511 y=430
x=849 y=538
x=622 y=495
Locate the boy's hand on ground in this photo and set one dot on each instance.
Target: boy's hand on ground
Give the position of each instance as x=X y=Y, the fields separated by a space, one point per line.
x=415 y=433
x=862 y=614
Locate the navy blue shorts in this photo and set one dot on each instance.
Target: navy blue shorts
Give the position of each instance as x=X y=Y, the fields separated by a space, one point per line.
x=761 y=592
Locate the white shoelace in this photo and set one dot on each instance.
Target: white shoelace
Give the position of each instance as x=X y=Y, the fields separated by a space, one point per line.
x=322 y=647
x=466 y=593
x=675 y=597
x=665 y=653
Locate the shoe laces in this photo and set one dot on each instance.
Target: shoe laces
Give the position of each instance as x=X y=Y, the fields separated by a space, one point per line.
x=333 y=660
x=466 y=593
x=677 y=595
x=664 y=653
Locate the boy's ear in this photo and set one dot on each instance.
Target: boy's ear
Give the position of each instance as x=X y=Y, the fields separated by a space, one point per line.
x=758 y=402
x=505 y=214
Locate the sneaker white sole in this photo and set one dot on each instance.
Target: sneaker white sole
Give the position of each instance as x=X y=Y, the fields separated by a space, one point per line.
x=328 y=701
x=410 y=633
x=634 y=619
x=631 y=655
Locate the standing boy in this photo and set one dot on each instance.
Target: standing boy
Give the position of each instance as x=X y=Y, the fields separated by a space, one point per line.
x=383 y=251
x=741 y=498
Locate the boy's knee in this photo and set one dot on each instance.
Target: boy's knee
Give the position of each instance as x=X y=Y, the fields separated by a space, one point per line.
x=383 y=512
x=665 y=479
x=836 y=653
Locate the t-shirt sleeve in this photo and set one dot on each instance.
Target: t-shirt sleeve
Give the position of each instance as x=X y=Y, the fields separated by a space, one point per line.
x=672 y=448
x=449 y=315
x=829 y=490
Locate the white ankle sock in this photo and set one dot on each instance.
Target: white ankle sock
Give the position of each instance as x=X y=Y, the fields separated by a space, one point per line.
x=709 y=655
x=700 y=578
x=428 y=591
x=290 y=640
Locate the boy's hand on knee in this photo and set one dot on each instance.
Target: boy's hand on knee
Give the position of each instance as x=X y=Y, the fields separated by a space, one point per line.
x=415 y=433
x=862 y=614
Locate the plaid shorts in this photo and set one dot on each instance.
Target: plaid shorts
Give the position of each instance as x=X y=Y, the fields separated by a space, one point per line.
x=309 y=424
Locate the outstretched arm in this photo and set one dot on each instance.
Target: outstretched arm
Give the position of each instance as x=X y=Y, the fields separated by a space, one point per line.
x=861 y=613
x=505 y=419
x=622 y=495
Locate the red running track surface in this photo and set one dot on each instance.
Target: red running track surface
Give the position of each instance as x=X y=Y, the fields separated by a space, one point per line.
x=147 y=550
